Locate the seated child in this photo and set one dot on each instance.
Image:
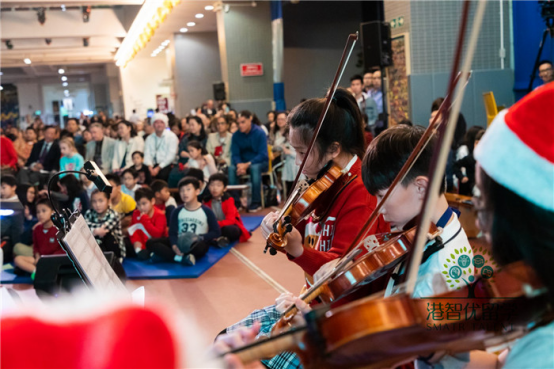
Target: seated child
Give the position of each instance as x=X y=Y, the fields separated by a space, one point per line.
x=130 y=185
x=105 y=225
x=226 y=213
x=72 y=195
x=151 y=218
x=88 y=185
x=8 y=189
x=45 y=241
x=198 y=174
x=164 y=200
x=123 y=204
x=191 y=221
x=70 y=159
x=144 y=176
x=28 y=197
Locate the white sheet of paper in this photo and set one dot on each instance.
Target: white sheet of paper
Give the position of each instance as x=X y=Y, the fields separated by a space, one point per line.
x=91 y=259
x=138 y=227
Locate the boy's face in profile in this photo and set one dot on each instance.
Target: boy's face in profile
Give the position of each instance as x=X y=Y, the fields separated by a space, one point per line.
x=405 y=202
x=115 y=190
x=217 y=188
x=7 y=191
x=188 y=193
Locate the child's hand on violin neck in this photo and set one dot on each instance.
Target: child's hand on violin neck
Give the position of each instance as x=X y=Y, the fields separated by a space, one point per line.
x=267 y=223
x=286 y=300
x=325 y=269
x=230 y=341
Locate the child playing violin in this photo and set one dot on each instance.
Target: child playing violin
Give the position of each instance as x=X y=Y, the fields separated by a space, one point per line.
x=312 y=244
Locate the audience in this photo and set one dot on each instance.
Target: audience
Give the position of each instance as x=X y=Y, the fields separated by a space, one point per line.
x=196 y=132
x=160 y=148
x=71 y=159
x=45 y=157
x=200 y=158
x=152 y=221
x=101 y=148
x=546 y=73
x=367 y=105
x=8 y=156
x=249 y=156
x=225 y=211
x=105 y=225
x=24 y=145
x=164 y=200
x=73 y=195
x=124 y=148
x=368 y=82
x=27 y=195
x=464 y=167
x=142 y=170
x=45 y=241
x=130 y=179
x=219 y=143
x=122 y=203
x=8 y=185
x=192 y=229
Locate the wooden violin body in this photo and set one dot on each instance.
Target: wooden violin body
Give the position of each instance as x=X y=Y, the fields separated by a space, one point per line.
x=316 y=200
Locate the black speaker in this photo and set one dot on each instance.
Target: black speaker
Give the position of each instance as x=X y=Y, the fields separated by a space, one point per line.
x=376 y=44
x=219 y=92
x=56 y=273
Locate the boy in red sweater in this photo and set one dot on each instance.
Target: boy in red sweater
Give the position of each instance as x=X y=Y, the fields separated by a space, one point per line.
x=148 y=221
x=44 y=239
x=225 y=211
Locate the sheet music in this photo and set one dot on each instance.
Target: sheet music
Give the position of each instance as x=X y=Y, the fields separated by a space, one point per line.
x=90 y=258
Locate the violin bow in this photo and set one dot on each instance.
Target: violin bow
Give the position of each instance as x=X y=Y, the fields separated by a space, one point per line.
x=348 y=48
x=446 y=136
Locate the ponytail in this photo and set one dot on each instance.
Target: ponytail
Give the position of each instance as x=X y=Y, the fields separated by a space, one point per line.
x=343 y=123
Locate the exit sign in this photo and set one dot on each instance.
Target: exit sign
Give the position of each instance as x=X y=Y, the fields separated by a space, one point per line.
x=251 y=69
x=397 y=22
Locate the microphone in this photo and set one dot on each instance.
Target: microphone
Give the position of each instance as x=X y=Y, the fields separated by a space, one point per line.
x=95 y=175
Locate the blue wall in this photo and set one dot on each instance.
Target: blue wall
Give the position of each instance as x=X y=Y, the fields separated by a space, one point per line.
x=528 y=27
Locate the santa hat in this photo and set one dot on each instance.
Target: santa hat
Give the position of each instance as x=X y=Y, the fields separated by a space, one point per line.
x=517 y=151
x=160 y=116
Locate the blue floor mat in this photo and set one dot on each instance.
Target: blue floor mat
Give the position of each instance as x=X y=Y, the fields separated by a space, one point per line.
x=145 y=270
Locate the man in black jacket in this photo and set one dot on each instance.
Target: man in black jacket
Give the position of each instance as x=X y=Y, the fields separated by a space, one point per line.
x=44 y=158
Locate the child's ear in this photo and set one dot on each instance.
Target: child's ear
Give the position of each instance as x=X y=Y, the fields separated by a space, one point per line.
x=421 y=183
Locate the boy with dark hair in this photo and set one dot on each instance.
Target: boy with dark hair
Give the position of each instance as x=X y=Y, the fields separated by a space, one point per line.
x=130 y=179
x=164 y=200
x=191 y=230
x=386 y=154
x=148 y=221
x=226 y=213
x=199 y=174
x=8 y=190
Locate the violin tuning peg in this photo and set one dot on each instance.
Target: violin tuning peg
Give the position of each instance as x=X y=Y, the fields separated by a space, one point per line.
x=272 y=251
x=288 y=228
x=287 y=219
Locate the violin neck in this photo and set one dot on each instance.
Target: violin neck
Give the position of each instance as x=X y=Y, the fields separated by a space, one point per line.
x=267 y=348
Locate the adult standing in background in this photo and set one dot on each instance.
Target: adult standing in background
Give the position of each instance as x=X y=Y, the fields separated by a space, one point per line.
x=546 y=73
x=375 y=92
x=367 y=106
x=101 y=148
x=134 y=118
x=368 y=82
x=127 y=144
x=160 y=148
x=249 y=155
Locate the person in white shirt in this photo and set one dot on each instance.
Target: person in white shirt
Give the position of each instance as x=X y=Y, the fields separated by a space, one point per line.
x=134 y=118
x=127 y=144
x=160 y=148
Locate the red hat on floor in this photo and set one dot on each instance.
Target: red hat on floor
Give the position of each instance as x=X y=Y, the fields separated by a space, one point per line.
x=517 y=151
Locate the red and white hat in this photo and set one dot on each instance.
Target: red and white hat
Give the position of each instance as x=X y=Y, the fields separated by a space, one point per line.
x=517 y=151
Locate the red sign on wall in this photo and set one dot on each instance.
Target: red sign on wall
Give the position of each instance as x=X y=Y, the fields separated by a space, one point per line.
x=251 y=69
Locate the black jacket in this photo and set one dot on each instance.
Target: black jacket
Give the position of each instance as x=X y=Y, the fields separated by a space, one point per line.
x=52 y=160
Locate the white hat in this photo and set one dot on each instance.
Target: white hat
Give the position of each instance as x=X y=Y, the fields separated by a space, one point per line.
x=160 y=116
x=517 y=151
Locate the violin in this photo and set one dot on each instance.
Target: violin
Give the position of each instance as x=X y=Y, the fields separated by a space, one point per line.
x=377 y=332
x=319 y=196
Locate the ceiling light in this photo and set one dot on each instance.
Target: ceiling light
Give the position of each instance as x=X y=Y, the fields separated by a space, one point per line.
x=199 y=16
x=61 y=71
x=209 y=7
x=1 y=73
x=191 y=24
x=65 y=84
x=166 y=42
x=183 y=30
x=66 y=92
x=63 y=8
x=64 y=78
x=1 y=88
x=27 y=61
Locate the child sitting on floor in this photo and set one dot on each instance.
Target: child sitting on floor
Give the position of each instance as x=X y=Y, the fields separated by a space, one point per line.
x=105 y=225
x=8 y=185
x=130 y=185
x=191 y=230
x=148 y=221
x=164 y=200
x=44 y=239
x=225 y=211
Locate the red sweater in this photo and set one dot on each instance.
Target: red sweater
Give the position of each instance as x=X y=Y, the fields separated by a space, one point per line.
x=232 y=217
x=334 y=234
x=155 y=226
x=45 y=241
x=8 y=155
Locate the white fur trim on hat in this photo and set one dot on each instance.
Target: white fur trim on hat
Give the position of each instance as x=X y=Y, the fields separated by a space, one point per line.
x=514 y=165
x=160 y=116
